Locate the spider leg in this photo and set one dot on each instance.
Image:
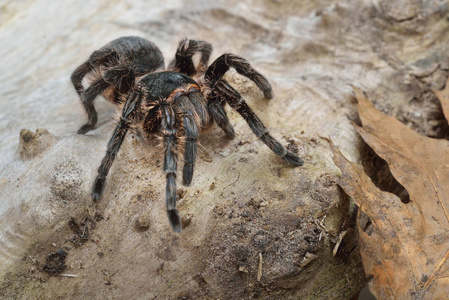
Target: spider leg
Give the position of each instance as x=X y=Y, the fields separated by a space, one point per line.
x=183 y=58
x=189 y=103
x=121 y=76
x=191 y=131
x=218 y=113
x=97 y=59
x=88 y=98
x=169 y=132
x=128 y=116
x=222 y=64
x=234 y=99
x=78 y=75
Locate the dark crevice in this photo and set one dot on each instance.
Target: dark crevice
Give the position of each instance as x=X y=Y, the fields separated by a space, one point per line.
x=379 y=172
x=424 y=114
x=365 y=223
x=356 y=216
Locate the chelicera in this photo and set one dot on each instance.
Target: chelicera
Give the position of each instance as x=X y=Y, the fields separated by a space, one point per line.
x=176 y=103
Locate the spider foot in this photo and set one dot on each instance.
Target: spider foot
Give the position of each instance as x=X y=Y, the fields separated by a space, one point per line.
x=267 y=92
x=293 y=159
x=85 y=128
x=98 y=188
x=229 y=131
x=175 y=220
x=187 y=174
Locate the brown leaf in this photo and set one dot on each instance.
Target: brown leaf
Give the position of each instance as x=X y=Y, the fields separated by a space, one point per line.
x=443 y=95
x=407 y=252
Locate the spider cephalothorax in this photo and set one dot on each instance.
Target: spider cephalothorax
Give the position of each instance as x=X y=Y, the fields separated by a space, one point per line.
x=176 y=103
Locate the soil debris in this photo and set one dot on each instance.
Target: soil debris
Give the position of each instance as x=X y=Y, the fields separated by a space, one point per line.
x=55 y=262
x=142 y=223
x=81 y=232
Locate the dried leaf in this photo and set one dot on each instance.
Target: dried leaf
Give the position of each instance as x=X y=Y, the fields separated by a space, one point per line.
x=407 y=252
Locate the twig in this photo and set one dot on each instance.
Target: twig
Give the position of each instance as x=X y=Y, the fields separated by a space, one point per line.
x=259 y=272
x=68 y=275
x=340 y=238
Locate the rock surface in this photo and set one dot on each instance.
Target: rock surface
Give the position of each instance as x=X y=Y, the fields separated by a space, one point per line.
x=254 y=226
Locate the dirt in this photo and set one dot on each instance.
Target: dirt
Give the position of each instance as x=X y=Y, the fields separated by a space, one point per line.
x=55 y=262
x=81 y=231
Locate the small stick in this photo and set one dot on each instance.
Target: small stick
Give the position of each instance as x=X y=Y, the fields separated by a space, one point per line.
x=340 y=238
x=68 y=275
x=259 y=272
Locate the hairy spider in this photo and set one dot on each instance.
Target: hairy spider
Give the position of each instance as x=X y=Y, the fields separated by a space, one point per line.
x=176 y=103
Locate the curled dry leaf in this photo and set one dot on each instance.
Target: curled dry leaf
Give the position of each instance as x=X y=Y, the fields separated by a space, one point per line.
x=407 y=253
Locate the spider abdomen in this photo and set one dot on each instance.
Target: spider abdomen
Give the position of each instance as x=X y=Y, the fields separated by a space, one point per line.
x=142 y=55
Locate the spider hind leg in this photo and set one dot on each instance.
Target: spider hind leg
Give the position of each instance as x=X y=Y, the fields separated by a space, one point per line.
x=121 y=77
x=78 y=75
x=98 y=59
x=87 y=99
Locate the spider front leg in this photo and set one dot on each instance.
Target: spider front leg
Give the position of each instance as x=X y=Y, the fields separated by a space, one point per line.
x=222 y=64
x=191 y=131
x=234 y=99
x=186 y=50
x=169 y=132
x=128 y=116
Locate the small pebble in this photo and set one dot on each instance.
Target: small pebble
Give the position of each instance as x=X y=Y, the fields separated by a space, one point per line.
x=243 y=269
x=142 y=223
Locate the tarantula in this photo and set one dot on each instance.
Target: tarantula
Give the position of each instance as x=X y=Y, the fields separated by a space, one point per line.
x=176 y=103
